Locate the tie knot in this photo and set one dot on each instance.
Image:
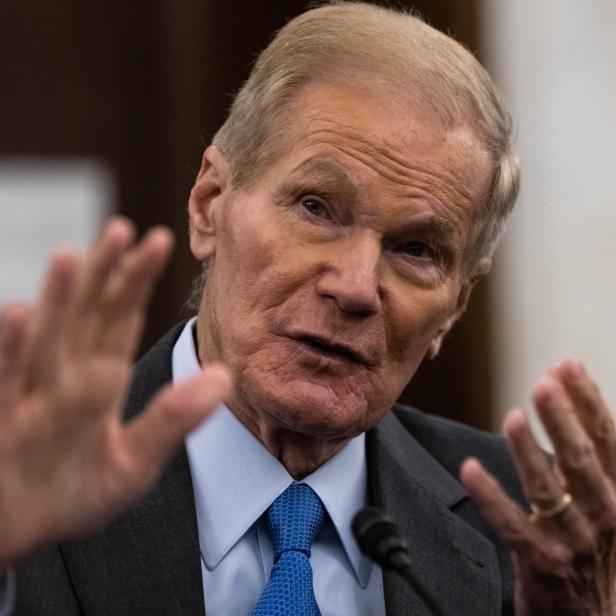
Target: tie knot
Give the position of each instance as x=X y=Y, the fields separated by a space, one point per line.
x=294 y=519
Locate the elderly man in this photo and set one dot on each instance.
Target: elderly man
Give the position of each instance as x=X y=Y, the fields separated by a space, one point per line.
x=343 y=213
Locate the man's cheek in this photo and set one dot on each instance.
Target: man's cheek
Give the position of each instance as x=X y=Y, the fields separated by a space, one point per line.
x=410 y=333
x=249 y=341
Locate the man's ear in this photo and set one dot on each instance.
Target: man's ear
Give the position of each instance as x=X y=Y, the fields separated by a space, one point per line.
x=480 y=270
x=206 y=197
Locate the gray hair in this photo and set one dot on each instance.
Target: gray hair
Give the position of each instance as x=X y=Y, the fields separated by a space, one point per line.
x=402 y=52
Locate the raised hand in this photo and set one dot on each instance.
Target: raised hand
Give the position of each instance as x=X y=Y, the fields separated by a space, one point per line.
x=68 y=462
x=564 y=550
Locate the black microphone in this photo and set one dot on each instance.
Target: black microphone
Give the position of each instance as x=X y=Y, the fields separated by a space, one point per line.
x=380 y=539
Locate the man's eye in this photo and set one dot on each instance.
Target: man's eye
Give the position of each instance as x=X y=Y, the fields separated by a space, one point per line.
x=314 y=206
x=419 y=250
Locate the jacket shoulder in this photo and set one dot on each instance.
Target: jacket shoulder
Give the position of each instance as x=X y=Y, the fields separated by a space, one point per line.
x=451 y=442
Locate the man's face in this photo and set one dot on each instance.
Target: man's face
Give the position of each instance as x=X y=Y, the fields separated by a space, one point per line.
x=334 y=274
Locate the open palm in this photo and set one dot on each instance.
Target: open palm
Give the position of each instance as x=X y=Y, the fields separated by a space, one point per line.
x=68 y=462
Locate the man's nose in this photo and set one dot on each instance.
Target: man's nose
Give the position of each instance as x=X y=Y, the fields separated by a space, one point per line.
x=351 y=276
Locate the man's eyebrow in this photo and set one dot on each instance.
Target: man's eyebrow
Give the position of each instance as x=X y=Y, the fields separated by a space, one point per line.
x=327 y=178
x=433 y=224
x=326 y=171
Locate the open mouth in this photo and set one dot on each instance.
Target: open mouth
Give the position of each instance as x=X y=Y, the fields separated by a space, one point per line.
x=332 y=350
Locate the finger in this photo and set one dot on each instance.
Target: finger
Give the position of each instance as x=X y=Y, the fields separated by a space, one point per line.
x=156 y=434
x=591 y=411
x=12 y=334
x=541 y=483
x=129 y=291
x=575 y=453
x=102 y=259
x=42 y=345
x=506 y=518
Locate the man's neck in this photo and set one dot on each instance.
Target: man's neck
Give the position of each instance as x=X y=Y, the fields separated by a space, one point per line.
x=300 y=454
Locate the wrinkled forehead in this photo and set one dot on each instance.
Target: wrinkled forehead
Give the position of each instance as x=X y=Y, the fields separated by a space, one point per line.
x=394 y=136
x=383 y=115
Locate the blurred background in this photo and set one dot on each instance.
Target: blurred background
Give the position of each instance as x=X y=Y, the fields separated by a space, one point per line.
x=107 y=106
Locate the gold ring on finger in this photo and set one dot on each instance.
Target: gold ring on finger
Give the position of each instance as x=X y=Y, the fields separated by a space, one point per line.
x=552 y=512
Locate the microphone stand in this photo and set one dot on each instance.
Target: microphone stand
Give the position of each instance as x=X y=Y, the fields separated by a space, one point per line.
x=401 y=564
x=381 y=540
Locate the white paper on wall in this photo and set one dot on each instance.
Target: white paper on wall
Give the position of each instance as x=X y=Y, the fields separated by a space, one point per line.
x=44 y=203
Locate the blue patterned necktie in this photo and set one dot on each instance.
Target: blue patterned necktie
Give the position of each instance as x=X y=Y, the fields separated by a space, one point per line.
x=293 y=521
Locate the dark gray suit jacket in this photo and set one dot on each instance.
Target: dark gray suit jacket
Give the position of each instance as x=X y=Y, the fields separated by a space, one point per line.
x=147 y=563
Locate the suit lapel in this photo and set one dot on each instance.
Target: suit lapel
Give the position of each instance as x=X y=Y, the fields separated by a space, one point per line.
x=148 y=562
x=457 y=564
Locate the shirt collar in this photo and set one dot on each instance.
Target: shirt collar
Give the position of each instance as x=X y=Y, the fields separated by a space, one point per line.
x=227 y=461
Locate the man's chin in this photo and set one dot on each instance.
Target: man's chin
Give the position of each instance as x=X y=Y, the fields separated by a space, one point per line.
x=316 y=410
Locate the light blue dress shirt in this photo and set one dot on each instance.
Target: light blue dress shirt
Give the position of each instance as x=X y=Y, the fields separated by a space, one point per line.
x=235 y=480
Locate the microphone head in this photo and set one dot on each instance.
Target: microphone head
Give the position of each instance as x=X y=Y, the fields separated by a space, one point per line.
x=379 y=538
